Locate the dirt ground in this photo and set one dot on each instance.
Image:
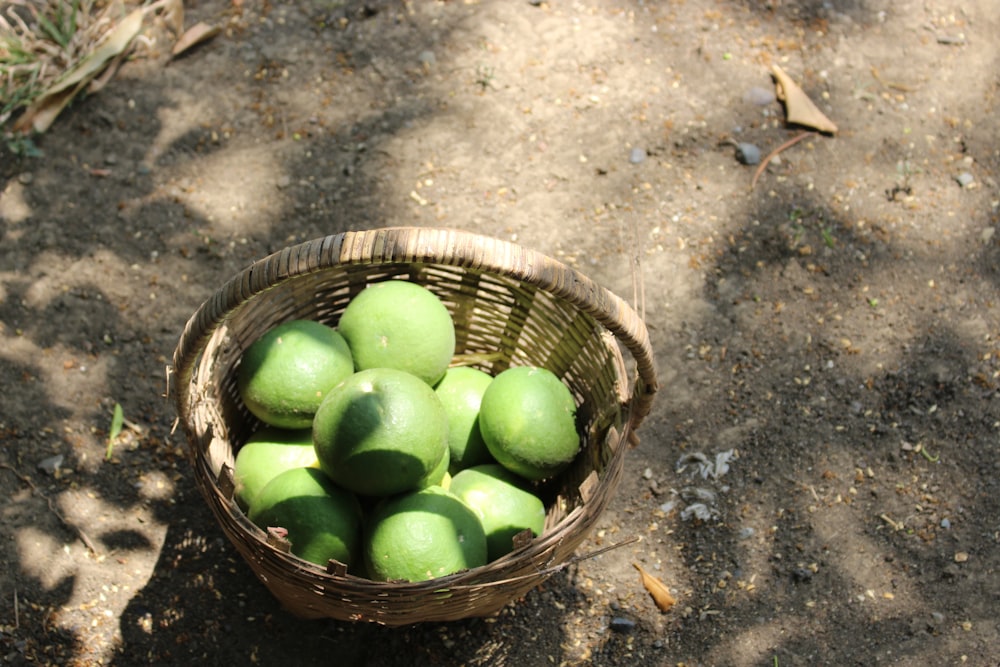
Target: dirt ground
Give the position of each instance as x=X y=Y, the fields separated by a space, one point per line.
x=832 y=332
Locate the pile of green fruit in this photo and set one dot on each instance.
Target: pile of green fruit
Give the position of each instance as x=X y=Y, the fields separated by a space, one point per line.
x=376 y=452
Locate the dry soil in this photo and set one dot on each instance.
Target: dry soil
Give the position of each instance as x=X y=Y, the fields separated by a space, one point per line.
x=833 y=332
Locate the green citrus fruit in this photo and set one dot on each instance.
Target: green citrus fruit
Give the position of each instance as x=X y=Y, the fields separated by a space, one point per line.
x=323 y=520
x=269 y=452
x=505 y=507
x=528 y=420
x=423 y=535
x=379 y=432
x=436 y=476
x=285 y=373
x=399 y=324
x=461 y=392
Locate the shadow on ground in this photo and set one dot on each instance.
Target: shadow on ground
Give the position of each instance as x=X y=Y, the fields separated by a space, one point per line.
x=850 y=362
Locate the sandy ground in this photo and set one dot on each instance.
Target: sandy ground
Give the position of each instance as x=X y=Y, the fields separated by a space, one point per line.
x=833 y=330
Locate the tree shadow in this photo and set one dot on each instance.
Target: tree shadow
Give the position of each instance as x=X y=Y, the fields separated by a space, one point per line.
x=36 y=594
x=204 y=603
x=166 y=222
x=59 y=645
x=860 y=468
x=814 y=11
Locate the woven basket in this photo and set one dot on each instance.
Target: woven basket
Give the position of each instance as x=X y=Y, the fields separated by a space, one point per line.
x=511 y=306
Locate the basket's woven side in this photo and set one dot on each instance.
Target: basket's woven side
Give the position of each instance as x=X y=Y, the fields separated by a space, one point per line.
x=510 y=307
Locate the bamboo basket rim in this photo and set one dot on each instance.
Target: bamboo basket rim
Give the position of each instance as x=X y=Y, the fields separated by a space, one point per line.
x=392 y=245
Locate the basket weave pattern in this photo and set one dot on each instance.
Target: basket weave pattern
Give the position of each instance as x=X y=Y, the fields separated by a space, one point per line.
x=511 y=306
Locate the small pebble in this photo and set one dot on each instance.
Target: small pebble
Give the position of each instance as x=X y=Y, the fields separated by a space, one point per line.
x=51 y=464
x=965 y=179
x=637 y=155
x=25 y=177
x=946 y=523
x=622 y=625
x=427 y=58
x=759 y=96
x=747 y=153
x=951 y=39
x=802 y=574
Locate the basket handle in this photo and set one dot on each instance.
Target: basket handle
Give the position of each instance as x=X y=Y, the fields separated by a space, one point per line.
x=438 y=246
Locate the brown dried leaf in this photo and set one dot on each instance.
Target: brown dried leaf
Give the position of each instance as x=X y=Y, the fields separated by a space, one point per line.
x=109 y=73
x=173 y=15
x=656 y=589
x=41 y=114
x=799 y=109
x=43 y=111
x=194 y=35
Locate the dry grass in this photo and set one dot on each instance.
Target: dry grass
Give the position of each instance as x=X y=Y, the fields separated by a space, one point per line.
x=42 y=40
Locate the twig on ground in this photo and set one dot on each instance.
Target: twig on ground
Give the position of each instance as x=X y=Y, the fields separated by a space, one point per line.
x=770 y=156
x=52 y=508
x=890 y=84
x=896 y=525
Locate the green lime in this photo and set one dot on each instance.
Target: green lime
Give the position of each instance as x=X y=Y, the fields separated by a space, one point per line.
x=284 y=375
x=528 y=420
x=322 y=520
x=461 y=392
x=423 y=535
x=504 y=505
x=379 y=432
x=269 y=452
x=402 y=325
x=436 y=476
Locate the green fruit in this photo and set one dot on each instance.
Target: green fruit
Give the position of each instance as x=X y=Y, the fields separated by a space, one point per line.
x=322 y=520
x=437 y=475
x=379 y=432
x=423 y=535
x=284 y=375
x=269 y=452
x=402 y=325
x=461 y=392
x=505 y=507
x=528 y=420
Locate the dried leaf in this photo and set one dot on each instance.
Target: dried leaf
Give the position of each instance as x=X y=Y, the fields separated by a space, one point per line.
x=173 y=15
x=194 y=35
x=43 y=111
x=799 y=109
x=656 y=589
x=114 y=43
x=101 y=80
